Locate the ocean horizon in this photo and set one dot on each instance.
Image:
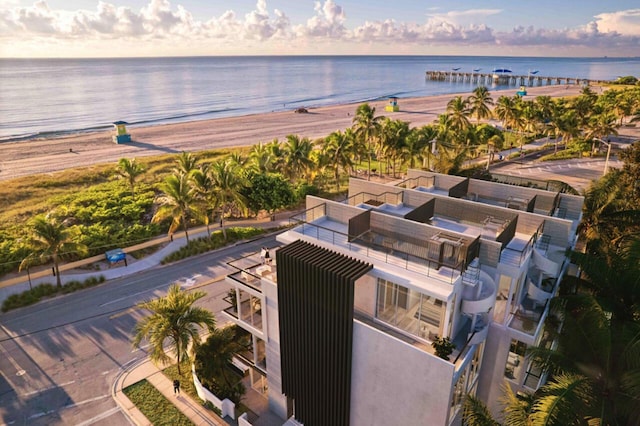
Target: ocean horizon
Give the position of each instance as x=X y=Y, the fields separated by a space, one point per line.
x=48 y=97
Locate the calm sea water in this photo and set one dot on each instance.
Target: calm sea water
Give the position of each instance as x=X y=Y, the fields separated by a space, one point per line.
x=40 y=97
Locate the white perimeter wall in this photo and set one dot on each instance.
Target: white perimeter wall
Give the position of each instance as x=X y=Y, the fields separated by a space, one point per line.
x=394 y=383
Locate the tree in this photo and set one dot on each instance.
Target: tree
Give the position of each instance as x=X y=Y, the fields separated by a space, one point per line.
x=458 y=111
x=213 y=359
x=177 y=203
x=262 y=159
x=205 y=193
x=366 y=127
x=51 y=240
x=297 y=157
x=268 y=192
x=338 y=149
x=479 y=103
x=228 y=183
x=186 y=163
x=475 y=413
x=173 y=318
x=130 y=170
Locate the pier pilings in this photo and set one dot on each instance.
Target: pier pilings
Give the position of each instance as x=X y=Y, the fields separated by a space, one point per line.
x=488 y=79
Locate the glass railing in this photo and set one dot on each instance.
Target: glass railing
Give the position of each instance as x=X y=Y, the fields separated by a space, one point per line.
x=384 y=252
x=516 y=256
x=393 y=198
x=420 y=181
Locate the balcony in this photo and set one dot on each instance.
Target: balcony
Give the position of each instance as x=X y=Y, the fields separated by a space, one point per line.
x=479 y=299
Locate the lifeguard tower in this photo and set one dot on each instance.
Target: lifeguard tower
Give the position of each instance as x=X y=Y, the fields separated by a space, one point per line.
x=121 y=135
x=393 y=105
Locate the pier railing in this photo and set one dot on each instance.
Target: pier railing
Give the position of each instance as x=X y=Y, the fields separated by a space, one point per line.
x=509 y=79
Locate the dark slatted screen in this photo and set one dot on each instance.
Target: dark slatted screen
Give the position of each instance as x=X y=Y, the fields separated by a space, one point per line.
x=315 y=305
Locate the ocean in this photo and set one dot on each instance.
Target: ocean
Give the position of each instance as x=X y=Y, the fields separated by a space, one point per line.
x=46 y=97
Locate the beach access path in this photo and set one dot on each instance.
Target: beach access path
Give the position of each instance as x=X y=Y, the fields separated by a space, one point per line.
x=38 y=156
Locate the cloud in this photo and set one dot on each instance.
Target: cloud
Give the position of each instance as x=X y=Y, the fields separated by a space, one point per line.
x=625 y=22
x=327 y=26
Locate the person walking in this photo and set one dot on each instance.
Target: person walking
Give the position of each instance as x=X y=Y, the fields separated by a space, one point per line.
x=263 y=253
x=267 y=257
x=176 y=387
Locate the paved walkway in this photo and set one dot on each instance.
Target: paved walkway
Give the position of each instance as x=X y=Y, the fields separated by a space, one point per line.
x=145 y=369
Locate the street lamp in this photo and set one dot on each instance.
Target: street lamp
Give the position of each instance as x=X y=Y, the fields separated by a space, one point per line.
x=606 y=162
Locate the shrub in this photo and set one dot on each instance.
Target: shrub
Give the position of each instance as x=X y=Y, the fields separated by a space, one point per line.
x=155 y=406
x=443 y=347
x=215 y=241
x=39 y=292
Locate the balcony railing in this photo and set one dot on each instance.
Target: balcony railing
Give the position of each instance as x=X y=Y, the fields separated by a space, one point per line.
x=515 y=256
x=384 y=252
x=393 y=198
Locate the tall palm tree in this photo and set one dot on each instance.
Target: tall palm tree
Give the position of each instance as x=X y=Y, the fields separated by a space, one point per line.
x=475 y=413
x=479 y=103
x=297 y=157
x=51 y=240
x=458 y=111
x=173 y=318
x=506 y=111
x=130 y=170
x=600 y=126
x=418 y=146
x=338 y=150
x=228 y=183
x=204 y=192
x=366 y=126
x=177 y=203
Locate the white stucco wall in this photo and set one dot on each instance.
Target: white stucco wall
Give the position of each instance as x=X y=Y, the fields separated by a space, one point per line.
x=394 y=383
x=277 y=401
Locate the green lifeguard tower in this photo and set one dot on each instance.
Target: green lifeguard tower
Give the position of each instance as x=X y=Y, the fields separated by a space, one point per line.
x=393 y=105
x=121 y=135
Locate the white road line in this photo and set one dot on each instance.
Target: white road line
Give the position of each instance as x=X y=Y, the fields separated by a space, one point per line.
x=129 y=295
x=48 y=388
x=99 y=417
x=86 y=401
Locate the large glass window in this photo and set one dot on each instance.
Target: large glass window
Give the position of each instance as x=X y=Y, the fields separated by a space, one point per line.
x=410 y=310
x=515 y=360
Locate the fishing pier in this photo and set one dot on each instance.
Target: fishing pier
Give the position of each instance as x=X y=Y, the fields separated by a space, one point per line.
x=506 y=79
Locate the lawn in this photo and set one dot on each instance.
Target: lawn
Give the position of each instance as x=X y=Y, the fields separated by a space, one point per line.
x=158 y=409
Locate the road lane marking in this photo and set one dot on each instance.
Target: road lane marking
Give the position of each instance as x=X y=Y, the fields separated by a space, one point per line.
x=99 y=417
x=48 y=388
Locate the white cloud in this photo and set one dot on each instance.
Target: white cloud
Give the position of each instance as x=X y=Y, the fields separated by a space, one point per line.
x=625 y=22
x=273 y=31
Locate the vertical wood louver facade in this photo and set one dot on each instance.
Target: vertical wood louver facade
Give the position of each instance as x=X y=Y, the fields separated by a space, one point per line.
x=315 y=300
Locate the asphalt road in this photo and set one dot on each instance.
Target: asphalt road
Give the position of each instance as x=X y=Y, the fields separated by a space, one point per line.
x=59 y=358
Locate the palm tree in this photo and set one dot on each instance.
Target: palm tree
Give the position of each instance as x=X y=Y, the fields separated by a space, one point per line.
x=475 y=413
x=130 y=170
x=458 y=111
x=262 y=159
x=297 y=157
x=418 y=146
x=173 y=318
x=177 y=203
x=214 y=357
x=186 y=163
x=506 y=111
x=204 y=192
x=366 y=127
x=228 y=182
x=600 y=126
x=338 y=150
x=51 y=240
x=479 y=103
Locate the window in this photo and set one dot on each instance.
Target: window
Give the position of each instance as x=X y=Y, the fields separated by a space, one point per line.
x=409 y=310
x=515 y=360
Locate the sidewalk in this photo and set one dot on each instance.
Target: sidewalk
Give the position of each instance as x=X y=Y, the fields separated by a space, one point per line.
x=70 y=272
x=145 y=369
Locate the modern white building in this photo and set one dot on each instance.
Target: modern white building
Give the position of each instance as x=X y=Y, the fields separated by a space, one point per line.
x=344 y=318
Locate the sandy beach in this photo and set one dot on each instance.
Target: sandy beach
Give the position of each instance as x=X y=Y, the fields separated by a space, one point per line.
x=50 y=155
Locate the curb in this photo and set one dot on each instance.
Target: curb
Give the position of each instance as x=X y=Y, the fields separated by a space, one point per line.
x=128 y=408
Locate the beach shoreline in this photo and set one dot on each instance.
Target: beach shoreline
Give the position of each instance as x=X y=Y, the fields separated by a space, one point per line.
x=49 y=155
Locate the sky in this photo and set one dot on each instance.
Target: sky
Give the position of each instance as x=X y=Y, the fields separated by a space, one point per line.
x=133 y=28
